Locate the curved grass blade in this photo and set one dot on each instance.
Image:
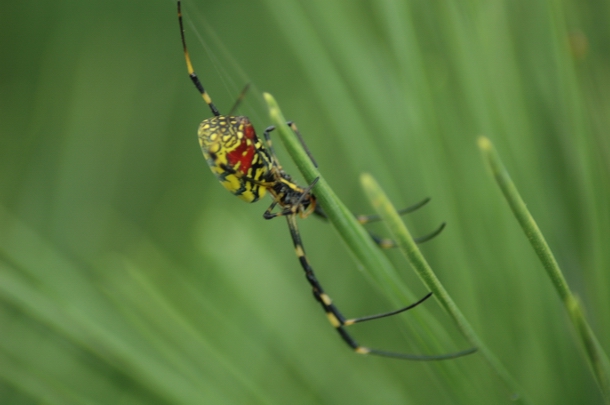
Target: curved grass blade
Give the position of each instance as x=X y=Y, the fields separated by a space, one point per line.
x=595 y=355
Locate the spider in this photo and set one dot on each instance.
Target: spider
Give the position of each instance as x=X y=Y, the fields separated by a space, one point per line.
x=248 y=168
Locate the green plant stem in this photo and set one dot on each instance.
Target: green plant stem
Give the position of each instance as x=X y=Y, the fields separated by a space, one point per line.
x=597 y=359
x=407 y=245
x=359 y=241
x=371 y=259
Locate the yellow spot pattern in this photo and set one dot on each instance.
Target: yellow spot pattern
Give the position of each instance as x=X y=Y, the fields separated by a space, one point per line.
x=221 y=135
x=333 y=319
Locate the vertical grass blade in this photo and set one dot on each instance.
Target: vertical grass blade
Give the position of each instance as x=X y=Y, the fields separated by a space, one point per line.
x=407 y=245
x=597 y=359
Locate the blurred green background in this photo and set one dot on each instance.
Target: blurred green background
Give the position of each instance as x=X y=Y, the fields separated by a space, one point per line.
x=128 y=275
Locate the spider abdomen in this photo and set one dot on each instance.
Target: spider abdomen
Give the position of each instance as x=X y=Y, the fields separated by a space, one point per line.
x=235 y=155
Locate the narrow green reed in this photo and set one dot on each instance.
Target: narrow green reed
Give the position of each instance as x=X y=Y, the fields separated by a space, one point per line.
x=350 y=230
x=407 y=245
x=597 y=359
x=359 y=242
x=370 y=255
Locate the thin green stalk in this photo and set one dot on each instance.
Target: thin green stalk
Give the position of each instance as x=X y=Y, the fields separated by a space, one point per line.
x=359 y=241
x=407 y=245
x=350 y=230
x=360 y=244
x=597 y=359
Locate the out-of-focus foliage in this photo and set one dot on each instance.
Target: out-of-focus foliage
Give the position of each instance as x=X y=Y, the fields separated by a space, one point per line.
x=128 y=275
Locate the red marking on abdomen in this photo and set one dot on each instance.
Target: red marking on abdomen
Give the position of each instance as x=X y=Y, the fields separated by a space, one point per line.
x=249 y=131
x=243 y=154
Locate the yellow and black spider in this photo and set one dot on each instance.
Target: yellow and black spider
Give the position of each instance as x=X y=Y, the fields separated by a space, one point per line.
x=248 y=167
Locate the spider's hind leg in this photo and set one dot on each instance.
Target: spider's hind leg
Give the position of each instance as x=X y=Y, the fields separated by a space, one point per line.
x=340 y=323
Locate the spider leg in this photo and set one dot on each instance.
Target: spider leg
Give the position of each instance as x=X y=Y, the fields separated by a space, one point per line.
x=336 y=318
x=365 y=219
x=239 y=99
x=191 y=72
x=385 y=243
x=296 y=205
x=294 y=128
x=267 y=136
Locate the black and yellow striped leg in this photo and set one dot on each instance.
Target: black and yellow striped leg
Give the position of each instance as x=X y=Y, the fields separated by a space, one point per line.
x=191 y=72
x=337 y=319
